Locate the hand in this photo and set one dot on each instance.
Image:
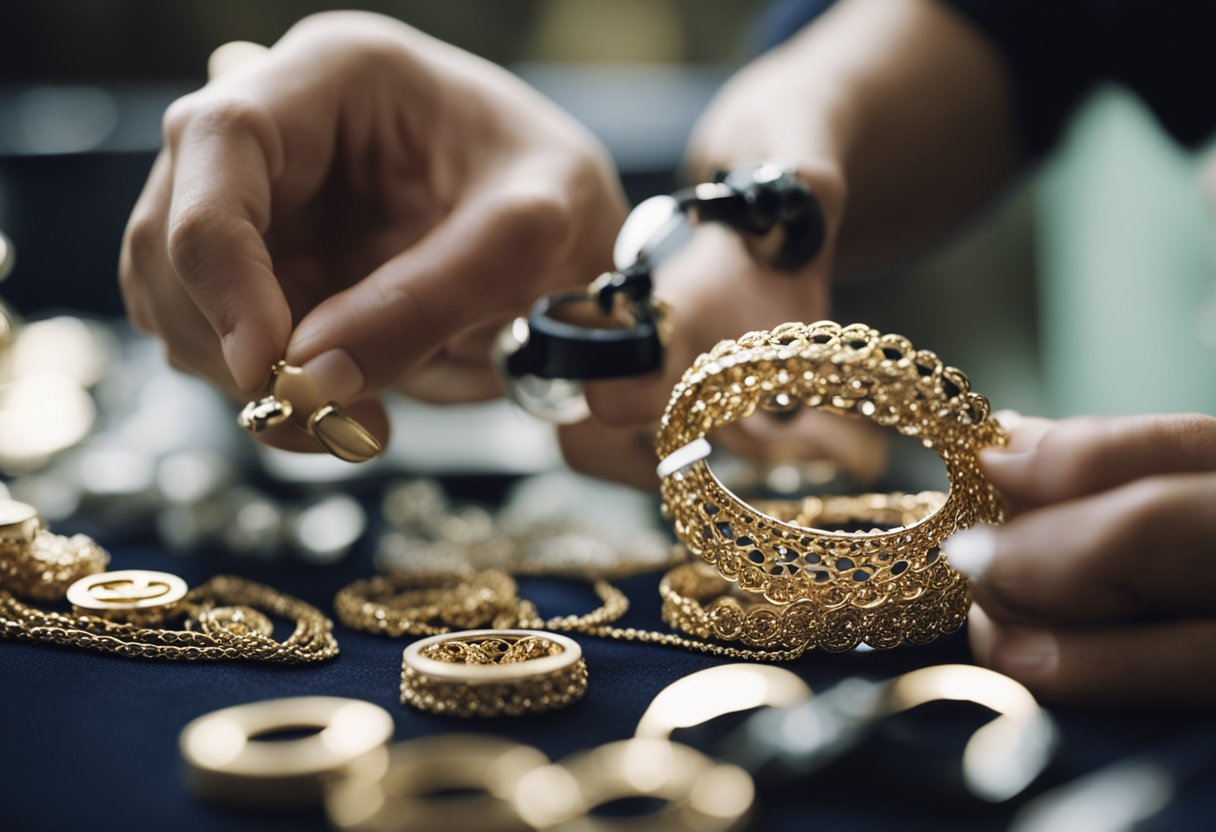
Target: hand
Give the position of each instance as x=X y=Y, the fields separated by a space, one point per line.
x=714 y=288
x=369 y=203
x=1102 y=588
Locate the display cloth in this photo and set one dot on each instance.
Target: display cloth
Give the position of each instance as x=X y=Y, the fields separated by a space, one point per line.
x=91 y=739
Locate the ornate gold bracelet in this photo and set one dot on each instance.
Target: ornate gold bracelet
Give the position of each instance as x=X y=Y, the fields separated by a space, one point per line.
x=845 y=578
x=493 y=673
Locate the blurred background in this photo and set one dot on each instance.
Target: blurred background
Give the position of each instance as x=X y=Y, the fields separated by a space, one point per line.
x=1091 y=287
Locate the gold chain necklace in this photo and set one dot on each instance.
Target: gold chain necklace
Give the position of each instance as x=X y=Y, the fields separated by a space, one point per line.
x=436 y=603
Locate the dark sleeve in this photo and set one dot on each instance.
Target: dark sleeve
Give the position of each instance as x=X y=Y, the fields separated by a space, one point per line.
x=1058 y=50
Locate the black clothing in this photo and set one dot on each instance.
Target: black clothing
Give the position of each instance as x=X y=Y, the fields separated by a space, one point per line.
x=1058 y=50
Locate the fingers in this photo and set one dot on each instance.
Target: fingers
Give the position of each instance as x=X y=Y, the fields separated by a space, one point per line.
x=155 y=298
x=229 y=152
x=484 y=260
x=1049 y=462
x=1144 y=549
x=1119 y=665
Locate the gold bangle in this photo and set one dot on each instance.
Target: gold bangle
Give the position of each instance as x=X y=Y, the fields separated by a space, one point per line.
x=845 y=576
x=493 y=673
x=700 y=602
x=890 y=509
x=34 y=562
x=702 y=794
x=226 y=763
x=412 y=793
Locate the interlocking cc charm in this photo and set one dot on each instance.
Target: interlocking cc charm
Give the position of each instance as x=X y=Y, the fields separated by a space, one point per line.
x=295 y=398
x=127 y=594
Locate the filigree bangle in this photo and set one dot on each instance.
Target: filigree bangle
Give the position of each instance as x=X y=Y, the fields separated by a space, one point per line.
x=493 y=673
x=701 y=603
x=848 y=576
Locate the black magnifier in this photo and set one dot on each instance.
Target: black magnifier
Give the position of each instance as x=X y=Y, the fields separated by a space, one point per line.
x=615 y=328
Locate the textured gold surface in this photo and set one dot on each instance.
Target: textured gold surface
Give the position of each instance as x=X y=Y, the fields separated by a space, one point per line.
x=882 y=586
x=493 y=673
x=44 y=568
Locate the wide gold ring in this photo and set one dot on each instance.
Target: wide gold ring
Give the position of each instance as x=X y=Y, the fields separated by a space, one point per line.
x=227 y=763
x=493 y=673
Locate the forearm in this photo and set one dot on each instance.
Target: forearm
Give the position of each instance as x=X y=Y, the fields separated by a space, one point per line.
x=901 y=99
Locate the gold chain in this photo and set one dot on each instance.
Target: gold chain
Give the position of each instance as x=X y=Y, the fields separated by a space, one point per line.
x=441 y=602
x=374 y=605
x=219 y=615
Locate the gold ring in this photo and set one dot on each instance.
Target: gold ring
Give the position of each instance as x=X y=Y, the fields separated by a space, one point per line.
x=227 y=763
x=846 y=576
x=493 y=673
x=700 y=793
x=412 y=793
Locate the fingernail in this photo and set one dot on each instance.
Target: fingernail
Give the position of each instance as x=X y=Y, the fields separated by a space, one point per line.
x=1009 y=419
x=971 y=551
x=336 y=375
x=1028 y=652
x=1024 y=435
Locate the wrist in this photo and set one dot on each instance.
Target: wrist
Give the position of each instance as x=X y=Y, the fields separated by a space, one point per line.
x=770 y=112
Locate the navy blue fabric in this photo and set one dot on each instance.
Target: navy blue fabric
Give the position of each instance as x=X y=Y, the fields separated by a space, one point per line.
x=90 y=740
x=1058 y=50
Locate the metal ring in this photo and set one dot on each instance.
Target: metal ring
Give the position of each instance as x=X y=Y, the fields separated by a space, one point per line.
x=402 y=797
x=459 y=688
x=708 y=694
x=701 y=793
x=226 y=763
